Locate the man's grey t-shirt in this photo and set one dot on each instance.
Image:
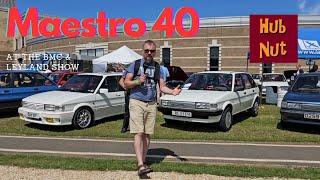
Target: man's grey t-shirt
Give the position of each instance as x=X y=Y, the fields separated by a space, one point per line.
x=147 y=91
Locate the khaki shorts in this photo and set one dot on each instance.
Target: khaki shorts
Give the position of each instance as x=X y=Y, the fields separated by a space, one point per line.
x=142 y=116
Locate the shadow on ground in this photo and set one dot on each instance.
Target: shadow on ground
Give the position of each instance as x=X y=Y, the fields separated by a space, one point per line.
x=157 y=155
x=7 y=113
x=302 y=128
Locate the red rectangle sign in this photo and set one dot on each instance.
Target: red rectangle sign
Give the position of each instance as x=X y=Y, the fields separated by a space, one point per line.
x=273 y=38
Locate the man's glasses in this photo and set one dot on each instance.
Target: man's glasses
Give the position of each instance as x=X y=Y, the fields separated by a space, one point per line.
x=151 y=50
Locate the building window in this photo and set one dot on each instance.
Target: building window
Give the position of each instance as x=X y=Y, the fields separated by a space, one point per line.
x=214 y=58
x=267 y=68
x=22 y=42
x=166 y=56
x=17 y=45
x=92 y=52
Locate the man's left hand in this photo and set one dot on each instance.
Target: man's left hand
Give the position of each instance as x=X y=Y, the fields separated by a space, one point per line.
x=176 y=91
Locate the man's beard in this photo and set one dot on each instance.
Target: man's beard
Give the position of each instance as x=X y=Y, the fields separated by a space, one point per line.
x=149 y=58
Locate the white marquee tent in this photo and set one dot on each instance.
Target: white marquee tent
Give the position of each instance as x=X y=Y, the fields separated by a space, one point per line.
x=123 y=55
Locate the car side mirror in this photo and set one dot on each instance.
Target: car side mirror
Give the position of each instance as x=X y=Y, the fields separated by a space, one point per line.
x=238 y=88
x=103 y=91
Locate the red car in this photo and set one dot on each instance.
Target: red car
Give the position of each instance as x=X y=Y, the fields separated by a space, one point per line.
x=61 y=77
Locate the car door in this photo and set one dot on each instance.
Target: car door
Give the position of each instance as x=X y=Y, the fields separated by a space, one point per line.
x=110 y=102
x=23 y=85
x=240 y=93
x=6 y=96
x=249 y=91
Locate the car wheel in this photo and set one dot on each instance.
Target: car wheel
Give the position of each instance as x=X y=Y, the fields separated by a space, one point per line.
x=225 y=123
x=254 y=110
x=82 y=119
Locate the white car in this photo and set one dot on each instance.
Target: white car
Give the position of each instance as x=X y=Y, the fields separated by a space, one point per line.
x=82 y=100
x=212 y=96
x=273 y=79
x=257 y=79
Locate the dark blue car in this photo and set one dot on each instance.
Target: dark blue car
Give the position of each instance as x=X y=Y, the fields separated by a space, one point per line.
x=16 y=85
x=302 y=102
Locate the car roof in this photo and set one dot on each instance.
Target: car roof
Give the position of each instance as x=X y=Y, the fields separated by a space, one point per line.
x=103 y=74
x=223 y=72
x=273 y=74
x=17 y=71
x=312 y=73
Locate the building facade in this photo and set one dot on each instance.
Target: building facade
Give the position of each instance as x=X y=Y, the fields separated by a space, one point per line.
x=222 y=43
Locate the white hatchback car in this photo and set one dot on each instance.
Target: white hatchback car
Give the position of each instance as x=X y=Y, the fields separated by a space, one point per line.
x=82 y=100
x=212 y=96
x=273 y=79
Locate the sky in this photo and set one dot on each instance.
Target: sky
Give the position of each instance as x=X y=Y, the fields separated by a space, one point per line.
x=150 y=10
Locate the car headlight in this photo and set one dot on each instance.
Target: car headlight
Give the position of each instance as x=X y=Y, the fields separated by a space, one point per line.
x=51 y=107
x=284 y=104
x=165 y=103
x=201 y=105
x=24 y=103
x=294 y=106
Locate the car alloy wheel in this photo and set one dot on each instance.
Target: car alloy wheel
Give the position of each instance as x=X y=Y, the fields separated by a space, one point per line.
x=225 y=123
x=228 y=119
x=254 y=111
x=82 y=119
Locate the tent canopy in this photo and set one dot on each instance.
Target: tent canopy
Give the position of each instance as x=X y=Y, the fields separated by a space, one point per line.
x=123 y=55
x=309 y=43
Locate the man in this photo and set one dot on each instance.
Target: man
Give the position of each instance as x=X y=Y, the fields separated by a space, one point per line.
x=314 y=68
x=142 y=104
x=126 y=117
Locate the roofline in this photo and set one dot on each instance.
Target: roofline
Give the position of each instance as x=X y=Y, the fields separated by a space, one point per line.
x=227 y=21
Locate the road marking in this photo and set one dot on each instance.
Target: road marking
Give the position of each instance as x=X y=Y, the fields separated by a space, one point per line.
x=166 y=142
x=159 y=156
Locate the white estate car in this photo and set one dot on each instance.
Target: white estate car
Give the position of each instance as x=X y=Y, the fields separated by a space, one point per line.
x=212 y=96
x=273 y=79
x=82 y=100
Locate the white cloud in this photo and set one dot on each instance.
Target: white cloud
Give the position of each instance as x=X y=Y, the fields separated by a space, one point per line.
x=302 y=5
x=308 y=8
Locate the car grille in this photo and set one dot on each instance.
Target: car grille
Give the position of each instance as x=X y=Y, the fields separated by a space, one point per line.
x=310 y=107
x=182 y=105
x=34 y=106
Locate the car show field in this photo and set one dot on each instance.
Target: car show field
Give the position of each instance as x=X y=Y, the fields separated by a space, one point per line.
x=263 y=128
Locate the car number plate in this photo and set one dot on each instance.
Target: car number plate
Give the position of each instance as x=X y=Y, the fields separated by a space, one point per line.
x=182 y=113
x=32 y=115
x=312 y=116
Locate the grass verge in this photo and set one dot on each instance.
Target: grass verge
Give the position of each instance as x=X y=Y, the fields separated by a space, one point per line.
x=78 y=163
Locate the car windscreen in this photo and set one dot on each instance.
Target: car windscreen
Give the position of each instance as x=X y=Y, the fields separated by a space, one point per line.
x=82 y=83
x=310 y=83
x=209 y=81
x=256 y=76
x=273 y=77
x=55 y=77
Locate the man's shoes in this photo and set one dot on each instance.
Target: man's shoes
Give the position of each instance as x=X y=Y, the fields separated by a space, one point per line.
x=124 y=130
x=144 y=171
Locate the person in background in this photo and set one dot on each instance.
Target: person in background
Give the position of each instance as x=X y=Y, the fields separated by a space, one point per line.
x=126 y=117
x=299 y=69
x=165 y=71
x=314 y=68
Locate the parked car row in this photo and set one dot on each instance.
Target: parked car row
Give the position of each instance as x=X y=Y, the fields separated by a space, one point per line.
x=206 y=97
